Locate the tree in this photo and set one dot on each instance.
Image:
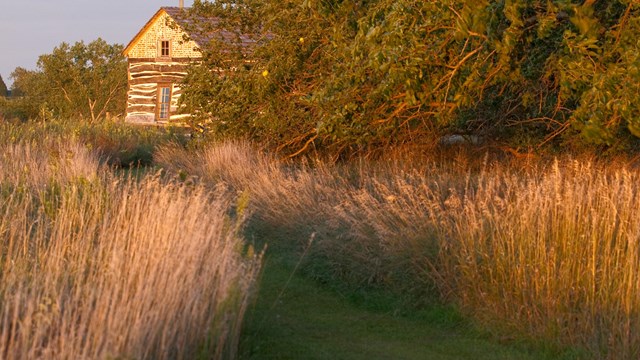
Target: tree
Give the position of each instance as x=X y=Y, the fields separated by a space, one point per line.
x=360 y=76
x=267 y=94
x=85 y=81
x=3 y=87
x=19 y=106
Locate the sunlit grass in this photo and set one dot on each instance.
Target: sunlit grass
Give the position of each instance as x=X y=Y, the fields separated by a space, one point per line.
x=94 y=266
x=546 y=252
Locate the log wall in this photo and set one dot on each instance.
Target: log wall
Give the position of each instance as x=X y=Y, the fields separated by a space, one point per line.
x=145 y=76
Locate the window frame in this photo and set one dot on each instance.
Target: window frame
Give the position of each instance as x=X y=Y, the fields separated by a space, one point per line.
x=161 y=49
x=159 y=101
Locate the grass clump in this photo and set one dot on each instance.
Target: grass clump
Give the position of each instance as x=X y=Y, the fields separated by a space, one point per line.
x=96 y=266
x=114 y=142
x=553 y=255
x=545 y=252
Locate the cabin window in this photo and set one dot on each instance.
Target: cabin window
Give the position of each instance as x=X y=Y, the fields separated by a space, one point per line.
x=164 y=102
x=165 y=48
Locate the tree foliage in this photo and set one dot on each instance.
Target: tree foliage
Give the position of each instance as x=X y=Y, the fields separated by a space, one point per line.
x=356 y=76
x=85 y=81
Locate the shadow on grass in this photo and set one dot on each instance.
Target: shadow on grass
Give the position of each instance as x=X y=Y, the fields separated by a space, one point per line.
x=296 y=317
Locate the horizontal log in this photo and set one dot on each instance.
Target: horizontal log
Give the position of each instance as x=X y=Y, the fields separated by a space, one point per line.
x=153 y=74
x=141 y=101
x=175 y=95
x=156 y=80
x=141 y=113
x=142 y=117
x=150 y=102
x=147 y=109
x=159 y=68
x=147 y=87
x=141 y=94
x=176 y=60
x=145 y=91
x=143 y=87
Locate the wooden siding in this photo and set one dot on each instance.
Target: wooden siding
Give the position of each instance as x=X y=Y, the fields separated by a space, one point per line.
x=144 y=77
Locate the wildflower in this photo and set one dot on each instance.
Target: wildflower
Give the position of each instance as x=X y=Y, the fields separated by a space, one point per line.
x=265 y=73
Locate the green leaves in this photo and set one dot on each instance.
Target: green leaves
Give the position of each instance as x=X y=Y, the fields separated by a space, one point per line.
x=86 y=81
x=373 y=74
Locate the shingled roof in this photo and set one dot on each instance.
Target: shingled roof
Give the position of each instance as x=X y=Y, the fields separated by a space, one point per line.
x=202 y=30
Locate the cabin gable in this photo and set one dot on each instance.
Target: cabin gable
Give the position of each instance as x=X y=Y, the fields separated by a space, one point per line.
x=162 y=27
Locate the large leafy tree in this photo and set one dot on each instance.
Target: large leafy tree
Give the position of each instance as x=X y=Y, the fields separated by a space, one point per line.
x=358 y=76
x=84 y=81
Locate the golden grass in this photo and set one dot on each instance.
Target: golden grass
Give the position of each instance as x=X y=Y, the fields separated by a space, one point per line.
x=544 y=251
x=36 y=164
x=275 y=191
x=555 y=255
x=96 y=267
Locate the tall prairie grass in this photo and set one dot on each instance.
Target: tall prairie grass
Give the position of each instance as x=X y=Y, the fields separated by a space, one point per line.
x=554 y=255
x=114 y=142
x=49 y=161
x=547 y=251
x=276 y=191
x=94 y=266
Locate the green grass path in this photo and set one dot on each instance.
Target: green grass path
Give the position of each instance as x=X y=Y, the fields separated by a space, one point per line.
x=306 y=320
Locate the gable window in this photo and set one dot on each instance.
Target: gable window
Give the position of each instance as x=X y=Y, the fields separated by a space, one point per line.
x=165 y=48
x=164 y=101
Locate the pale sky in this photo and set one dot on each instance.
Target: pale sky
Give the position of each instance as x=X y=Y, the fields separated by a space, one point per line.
x=29 y=28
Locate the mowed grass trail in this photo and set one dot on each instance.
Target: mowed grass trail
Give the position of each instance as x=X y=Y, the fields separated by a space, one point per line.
x=295 y=317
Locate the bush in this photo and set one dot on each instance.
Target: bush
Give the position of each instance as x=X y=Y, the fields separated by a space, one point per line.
x=84 y=81
x=125 y=144
x=360 y=77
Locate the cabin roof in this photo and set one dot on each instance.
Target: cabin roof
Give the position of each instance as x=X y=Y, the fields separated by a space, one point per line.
x=201 y=30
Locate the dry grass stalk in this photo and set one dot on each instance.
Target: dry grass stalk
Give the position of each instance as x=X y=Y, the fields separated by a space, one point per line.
x=38 y=164
x=549 y=251
x=117 y=268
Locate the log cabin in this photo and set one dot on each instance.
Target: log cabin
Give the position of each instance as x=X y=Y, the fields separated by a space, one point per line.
x=158 y=57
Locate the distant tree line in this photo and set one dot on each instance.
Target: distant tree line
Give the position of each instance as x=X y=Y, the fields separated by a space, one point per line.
x=79 y=81
x=358 y=76
x=3 y=87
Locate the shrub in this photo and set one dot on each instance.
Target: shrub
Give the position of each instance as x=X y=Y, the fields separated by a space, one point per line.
x=349 y=78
